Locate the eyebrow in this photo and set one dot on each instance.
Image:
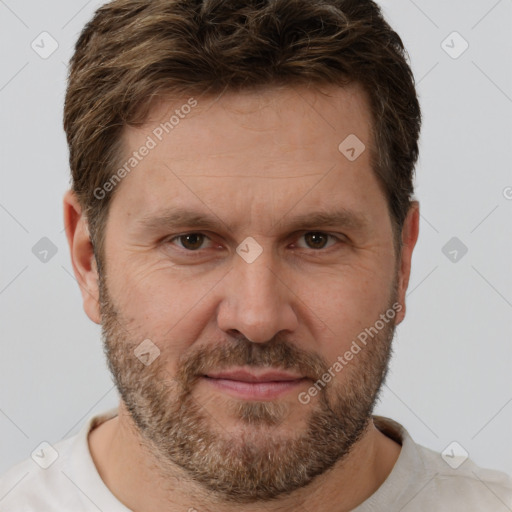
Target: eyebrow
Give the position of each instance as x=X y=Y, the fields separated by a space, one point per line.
x=180 y=218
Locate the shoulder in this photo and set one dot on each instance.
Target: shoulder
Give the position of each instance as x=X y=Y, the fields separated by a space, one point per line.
x=425 y=480
x=465 y=481
x=59 y=477
x=39 y=482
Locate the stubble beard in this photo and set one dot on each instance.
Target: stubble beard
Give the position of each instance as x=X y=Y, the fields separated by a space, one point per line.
x=260 y=462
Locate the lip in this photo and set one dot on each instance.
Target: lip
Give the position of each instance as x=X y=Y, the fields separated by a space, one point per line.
x=252 y=376
x=253 y=385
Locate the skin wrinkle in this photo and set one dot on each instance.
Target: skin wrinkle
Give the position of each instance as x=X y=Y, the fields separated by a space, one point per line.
x=249 y=176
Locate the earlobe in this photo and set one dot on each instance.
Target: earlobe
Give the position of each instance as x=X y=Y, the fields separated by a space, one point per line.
x=82 y=255
x=410 y=232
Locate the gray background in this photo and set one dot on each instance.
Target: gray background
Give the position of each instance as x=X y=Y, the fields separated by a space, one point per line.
x=451 y=376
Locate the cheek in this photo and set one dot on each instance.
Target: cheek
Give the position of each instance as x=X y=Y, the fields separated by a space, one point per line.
x=163 y=304
x=342 y=305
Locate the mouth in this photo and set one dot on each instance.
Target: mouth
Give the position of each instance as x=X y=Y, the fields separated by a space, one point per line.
x=253 y=385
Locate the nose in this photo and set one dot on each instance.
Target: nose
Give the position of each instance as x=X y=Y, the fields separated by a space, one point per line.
x=256 y=302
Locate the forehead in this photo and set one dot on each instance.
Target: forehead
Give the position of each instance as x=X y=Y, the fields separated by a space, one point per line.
x=261 y=150
x=298 y=122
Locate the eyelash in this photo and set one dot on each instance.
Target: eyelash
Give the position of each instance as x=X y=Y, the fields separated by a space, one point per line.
x=198 y=251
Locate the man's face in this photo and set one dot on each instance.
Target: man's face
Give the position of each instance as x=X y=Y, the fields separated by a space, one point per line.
x=292 y=299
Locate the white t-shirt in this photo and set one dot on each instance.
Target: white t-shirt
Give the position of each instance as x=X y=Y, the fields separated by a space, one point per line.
x=420 y=481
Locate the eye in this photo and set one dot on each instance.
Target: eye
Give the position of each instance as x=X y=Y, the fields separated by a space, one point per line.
x=193 y=242
x=190 y=241
x=318 y=239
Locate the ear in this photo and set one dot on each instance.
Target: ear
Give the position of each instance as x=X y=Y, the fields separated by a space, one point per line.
x=82 y=255
x=409 y=235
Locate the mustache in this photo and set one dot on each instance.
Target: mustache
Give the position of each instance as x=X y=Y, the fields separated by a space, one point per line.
x=277 y=354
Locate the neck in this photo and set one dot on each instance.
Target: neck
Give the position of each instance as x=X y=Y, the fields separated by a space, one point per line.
x=132 y=474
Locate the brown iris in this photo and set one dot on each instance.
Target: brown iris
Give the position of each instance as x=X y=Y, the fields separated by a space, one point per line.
x=192 y=241
x=316 y=240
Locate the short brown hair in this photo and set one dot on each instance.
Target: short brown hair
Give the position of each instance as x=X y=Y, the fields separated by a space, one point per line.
x=134 y=51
